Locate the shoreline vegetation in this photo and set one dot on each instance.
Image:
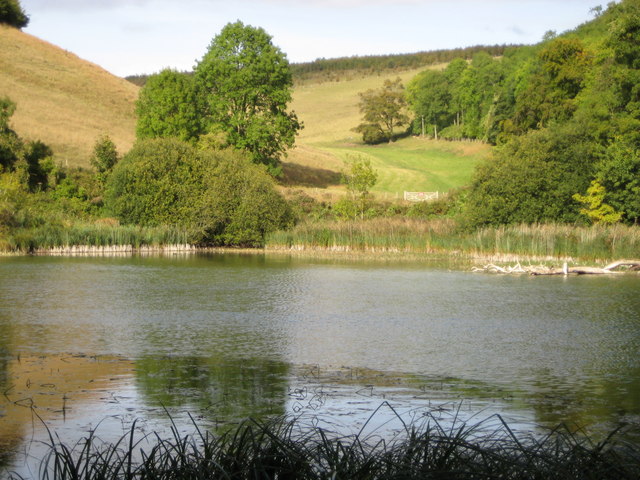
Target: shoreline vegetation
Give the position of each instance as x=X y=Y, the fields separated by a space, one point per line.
x=394 y=237
x=290 y=448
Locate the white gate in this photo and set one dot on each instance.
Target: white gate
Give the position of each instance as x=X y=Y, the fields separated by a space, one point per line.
x=420 y=196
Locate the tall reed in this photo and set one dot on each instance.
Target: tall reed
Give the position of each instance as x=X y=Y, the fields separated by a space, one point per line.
x=443 y=235
x=92 y=234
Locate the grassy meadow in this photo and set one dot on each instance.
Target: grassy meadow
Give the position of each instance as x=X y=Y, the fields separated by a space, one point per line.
x=63 y=100
x=330 y=111
x=68 y=103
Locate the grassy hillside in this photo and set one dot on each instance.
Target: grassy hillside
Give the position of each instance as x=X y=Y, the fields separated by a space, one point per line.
x=330 y=110
x=68 y=102
x=62 y=100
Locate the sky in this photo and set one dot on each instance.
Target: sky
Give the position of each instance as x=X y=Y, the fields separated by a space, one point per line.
x=128 y=37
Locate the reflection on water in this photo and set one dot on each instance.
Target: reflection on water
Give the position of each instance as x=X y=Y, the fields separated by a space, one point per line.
x=114 y=339
x=222 y=391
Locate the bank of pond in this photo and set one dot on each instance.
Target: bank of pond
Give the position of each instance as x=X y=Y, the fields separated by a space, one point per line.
x=598 y=243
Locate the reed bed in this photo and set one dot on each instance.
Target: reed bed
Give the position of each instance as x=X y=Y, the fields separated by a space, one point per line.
x=287 y=449
x=48 y=236
x=549 y=241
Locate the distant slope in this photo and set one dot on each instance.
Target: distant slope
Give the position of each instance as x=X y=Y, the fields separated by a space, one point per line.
x=63 y=100
x=329 y=110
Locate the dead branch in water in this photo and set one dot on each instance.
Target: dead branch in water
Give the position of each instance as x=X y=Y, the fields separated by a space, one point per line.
x=611 y=269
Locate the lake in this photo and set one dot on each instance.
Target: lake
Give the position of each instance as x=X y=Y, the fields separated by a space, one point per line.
x=101 y=342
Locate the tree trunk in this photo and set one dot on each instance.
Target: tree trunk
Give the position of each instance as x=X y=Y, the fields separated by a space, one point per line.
x=633 y=265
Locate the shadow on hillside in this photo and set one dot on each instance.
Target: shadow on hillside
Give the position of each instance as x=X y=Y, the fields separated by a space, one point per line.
x=294 y=174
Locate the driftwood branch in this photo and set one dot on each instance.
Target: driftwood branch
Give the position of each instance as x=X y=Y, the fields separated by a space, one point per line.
x=611 y=269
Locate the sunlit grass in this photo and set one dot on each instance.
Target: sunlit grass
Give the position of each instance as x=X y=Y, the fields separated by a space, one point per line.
x=330 y=111
x=28 y=240
x=597 y=243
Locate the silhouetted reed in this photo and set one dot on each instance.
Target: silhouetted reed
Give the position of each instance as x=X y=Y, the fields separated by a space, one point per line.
x=290 y=449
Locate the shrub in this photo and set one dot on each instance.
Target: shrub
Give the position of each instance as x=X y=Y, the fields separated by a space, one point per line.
x=533 y=178
x=105 y=157
x=220 y=197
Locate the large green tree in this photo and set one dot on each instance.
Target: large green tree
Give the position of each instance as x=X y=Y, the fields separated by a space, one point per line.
x=169 y=106
x=11 y=13
x=246 y=85
x=551 y=91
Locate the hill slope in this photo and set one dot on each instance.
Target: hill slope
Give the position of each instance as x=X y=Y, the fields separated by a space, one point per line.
x=63 y=100
x=330 y=110
x=67 y=103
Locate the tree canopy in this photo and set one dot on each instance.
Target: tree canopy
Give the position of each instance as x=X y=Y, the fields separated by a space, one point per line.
x=11 y=13
x=582 y=86
x=246 y=85
x=168 y=106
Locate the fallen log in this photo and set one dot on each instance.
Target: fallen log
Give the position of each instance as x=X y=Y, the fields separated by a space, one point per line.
x=607 y=270
x=611 y=269
x=634 y=265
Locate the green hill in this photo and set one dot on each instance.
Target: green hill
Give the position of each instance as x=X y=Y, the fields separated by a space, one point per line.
x=330 y=110
x=63 y=100
x=67 y=103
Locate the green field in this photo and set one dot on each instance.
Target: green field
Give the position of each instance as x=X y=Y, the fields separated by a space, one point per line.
x=330 y=110
x=417 y=164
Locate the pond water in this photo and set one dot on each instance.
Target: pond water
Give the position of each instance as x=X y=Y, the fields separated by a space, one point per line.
x=99 y=342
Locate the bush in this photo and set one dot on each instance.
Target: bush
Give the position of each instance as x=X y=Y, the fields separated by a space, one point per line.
x=371 y=134
x=241 y=205
x=533 y=179
x=220 y=197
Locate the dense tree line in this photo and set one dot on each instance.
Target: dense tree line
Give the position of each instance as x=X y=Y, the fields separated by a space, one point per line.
x=377 y=63
x=564 y=114
x=331 y=68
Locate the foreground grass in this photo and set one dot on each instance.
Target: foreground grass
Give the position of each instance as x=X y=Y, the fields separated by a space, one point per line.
x=287 y=449
x=596 y=243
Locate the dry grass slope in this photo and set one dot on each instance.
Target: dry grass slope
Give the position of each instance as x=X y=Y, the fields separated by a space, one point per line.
x=63 y=100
